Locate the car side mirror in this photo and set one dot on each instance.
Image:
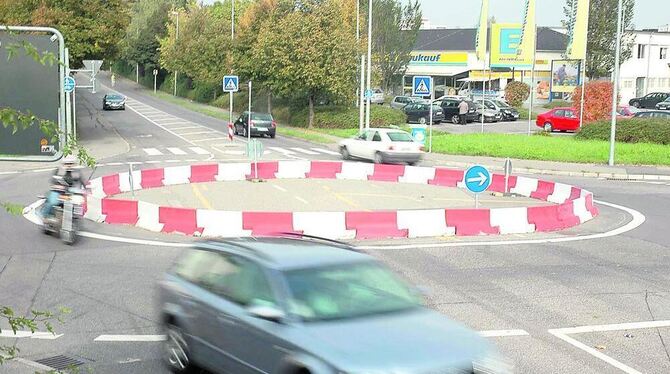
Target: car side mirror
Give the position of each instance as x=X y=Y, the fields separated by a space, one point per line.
x=268 y=313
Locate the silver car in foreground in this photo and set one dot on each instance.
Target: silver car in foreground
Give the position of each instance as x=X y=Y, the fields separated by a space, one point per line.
x=297 y=306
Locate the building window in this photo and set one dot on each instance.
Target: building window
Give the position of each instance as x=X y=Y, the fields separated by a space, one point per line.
x=627 y=83
x=652 y=82
x=641 y=50
x=664 y=53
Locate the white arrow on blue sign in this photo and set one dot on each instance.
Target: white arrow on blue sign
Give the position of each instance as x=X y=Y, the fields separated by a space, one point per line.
x=231 y=83
x=477 y=179
x=422 y=85
x=68 y=84
x=368 y=94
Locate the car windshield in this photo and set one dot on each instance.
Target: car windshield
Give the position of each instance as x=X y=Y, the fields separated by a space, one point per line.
x=261 y=117
x=347 y=291
x=501 y=104
x=114 y=97
x=400 y=137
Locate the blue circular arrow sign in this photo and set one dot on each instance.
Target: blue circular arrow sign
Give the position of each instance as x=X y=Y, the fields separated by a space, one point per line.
x=477 y=179
x=68 y=84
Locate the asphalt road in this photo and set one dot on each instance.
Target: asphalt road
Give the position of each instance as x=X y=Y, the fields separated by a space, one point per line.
x=526 y=289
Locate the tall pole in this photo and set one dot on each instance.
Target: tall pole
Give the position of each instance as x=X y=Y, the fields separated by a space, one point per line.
x=137 y=72
x=361 y=97
x=358 y=38
x=615 y=93
x=176 y=73
x=249 y=119
x=232 y=19
x=367 y=109
x=533 y=89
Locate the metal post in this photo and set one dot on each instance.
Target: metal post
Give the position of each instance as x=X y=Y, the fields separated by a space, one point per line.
x=508 y=172
x=361 y=114
x=430 y=114
x=358 y=38
x=476 y=201
x=154 y=83
x=176 y=73
x=230 y=107
x=617 y=58
x=532 y=84
x=249 y=119
x=74 y=112
x=646 y=80
x=581 y=105
x=232 y=19
x=137 y=72
x=68 y=97
x=367 y=109
x=130 y=180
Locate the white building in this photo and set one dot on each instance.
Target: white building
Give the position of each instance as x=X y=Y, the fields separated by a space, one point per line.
x=648 y=70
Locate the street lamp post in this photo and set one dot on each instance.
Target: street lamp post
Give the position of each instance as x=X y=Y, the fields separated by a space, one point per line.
x=232 y=19
x=367 y=109
x=615 y=93
x=176 y=73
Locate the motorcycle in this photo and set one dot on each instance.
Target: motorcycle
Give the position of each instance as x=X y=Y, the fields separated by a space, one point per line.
x=66 y=215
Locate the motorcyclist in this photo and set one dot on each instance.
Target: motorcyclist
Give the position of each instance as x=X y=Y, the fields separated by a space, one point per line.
x=67 y=175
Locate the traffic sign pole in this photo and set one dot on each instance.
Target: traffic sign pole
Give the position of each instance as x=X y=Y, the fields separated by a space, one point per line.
x=230 y=111
x=430 y=129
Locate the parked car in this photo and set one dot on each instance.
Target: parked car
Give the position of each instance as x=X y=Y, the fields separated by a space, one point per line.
x=507 y=112
x=558 y=119
x=113 y=101
x=627 y=111
x=420 y=112
x=377 y=97
x=383 y=146
x=664 y=105
x=652 y=114
x=490 y=115
x=649 y=101
x=399 y=102
x=450 y=108
x=262 y=124
x=294 y=306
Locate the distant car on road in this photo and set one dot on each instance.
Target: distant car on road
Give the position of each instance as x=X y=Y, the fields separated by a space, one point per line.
x=558 y=119
x=649 y=101
x=113 y=101
x=383 y=146
x=490 y=115
x=289 y=306
x=507 y=112
x=399 y=102
x=420 y=112
x=664 y=105
x=653 y=114
x=262 y=124
x=450 y=108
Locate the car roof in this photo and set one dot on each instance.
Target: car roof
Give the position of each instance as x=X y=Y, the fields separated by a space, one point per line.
x=287 y=253
x=387 y=129
x=564 y=108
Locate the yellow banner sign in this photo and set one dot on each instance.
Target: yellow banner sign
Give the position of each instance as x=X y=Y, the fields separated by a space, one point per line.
x=505 y=43
x=439 y=58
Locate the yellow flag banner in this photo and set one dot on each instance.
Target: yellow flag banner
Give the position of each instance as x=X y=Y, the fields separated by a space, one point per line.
x=505 y=43
x=482 y=31
x=526 y=49
x=579 y=31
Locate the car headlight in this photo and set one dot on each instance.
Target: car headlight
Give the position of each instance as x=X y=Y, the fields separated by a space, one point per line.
x=492 y=364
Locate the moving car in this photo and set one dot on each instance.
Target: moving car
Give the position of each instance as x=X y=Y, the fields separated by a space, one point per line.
x=652 y=114
x=558 y=119
x=450 y=108
x=382 y=146
x=306 y=306
x=664 y=105
x=262 y=124
x=113 y=101
x=419 y=113
x=649 y=101
x=490 y=115
x=507 y=112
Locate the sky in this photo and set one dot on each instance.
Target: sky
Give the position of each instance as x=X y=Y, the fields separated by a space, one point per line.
x=465 y=13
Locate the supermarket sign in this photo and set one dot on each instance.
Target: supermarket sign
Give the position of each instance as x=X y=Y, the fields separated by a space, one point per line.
x=439 y=59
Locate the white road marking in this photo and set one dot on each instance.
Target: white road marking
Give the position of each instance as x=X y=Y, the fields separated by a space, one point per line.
x=182 y=122
x=326 y=151
x=8 y=333
x=282 y=150
x=185 y=128
x=234 y=153
x=502 y=333
x=198 y=151
x=207 y=140
x=305 y=151
x=301 y=199
x=13 y=172
x=176 y=151
x=130 y=338
x=280 y=188
x=115 y=164
x=198 y=132
x=152 y=152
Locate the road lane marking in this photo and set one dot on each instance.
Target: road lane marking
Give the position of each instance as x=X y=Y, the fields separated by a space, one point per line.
x=198 y=133
x=207 y=140
x=8 y=333
x=198 y=151
x=301 y=200
x=326 y=151
x=203 y=200
x=282 y=150
x=280 y=188
x=130 y=338
x=502 y=333
x=185 y=128
x=152 y=151
x=176 y=151
x=305 y=151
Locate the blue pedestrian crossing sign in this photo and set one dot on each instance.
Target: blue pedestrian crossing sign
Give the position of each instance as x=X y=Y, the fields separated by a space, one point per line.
x=477 y=179
x=68 y=84
x=422 y=85
x=231 y=83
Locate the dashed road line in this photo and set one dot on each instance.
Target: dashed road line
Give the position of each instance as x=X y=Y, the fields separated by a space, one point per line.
x=326 y=151
x=305 y=151
x=152 y=151
x=503 y=333
x=176 y=151
x=198 y=151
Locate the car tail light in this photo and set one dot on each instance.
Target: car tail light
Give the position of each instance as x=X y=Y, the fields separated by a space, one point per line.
x=274 y=123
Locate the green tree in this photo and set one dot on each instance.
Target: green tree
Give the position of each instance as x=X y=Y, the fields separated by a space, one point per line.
x=395 y=28
x=320 y=56
x=601 y=43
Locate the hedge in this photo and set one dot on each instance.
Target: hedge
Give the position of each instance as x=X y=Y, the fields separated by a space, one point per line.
x=642 y=130
x=339 y=117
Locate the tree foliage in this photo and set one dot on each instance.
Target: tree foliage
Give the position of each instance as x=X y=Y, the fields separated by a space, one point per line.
x=601 y=43
x=395 y=28
x=597 y=100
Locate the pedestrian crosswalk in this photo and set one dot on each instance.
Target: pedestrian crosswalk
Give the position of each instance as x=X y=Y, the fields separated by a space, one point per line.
x=184 y=151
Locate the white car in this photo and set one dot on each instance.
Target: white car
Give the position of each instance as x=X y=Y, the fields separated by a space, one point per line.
x=377 y=97
x=383 y=146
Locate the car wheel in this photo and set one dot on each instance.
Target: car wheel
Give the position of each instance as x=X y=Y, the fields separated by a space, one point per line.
x=378 y=159
x=422 y=120
x=455 y=119
x=123 y=107
x=176 y=350
x=547 y=127
x=272 y=136
x=636 y=104
x=345 y=153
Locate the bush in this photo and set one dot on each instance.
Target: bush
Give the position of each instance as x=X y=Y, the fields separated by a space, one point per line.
x=340 y=117
x=204 y=92
x=597 y=101
x=516 y=93
x=642 y=130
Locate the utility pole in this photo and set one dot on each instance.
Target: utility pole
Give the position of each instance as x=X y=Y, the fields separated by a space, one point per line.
x=232 y=19
x=176 y=73
x=358 y=38
x=615 y=93
x=367 y=109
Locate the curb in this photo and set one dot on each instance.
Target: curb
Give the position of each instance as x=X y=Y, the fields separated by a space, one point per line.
x=574 y=206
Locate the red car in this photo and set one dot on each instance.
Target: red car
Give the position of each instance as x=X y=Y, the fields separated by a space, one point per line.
x=561 y=119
